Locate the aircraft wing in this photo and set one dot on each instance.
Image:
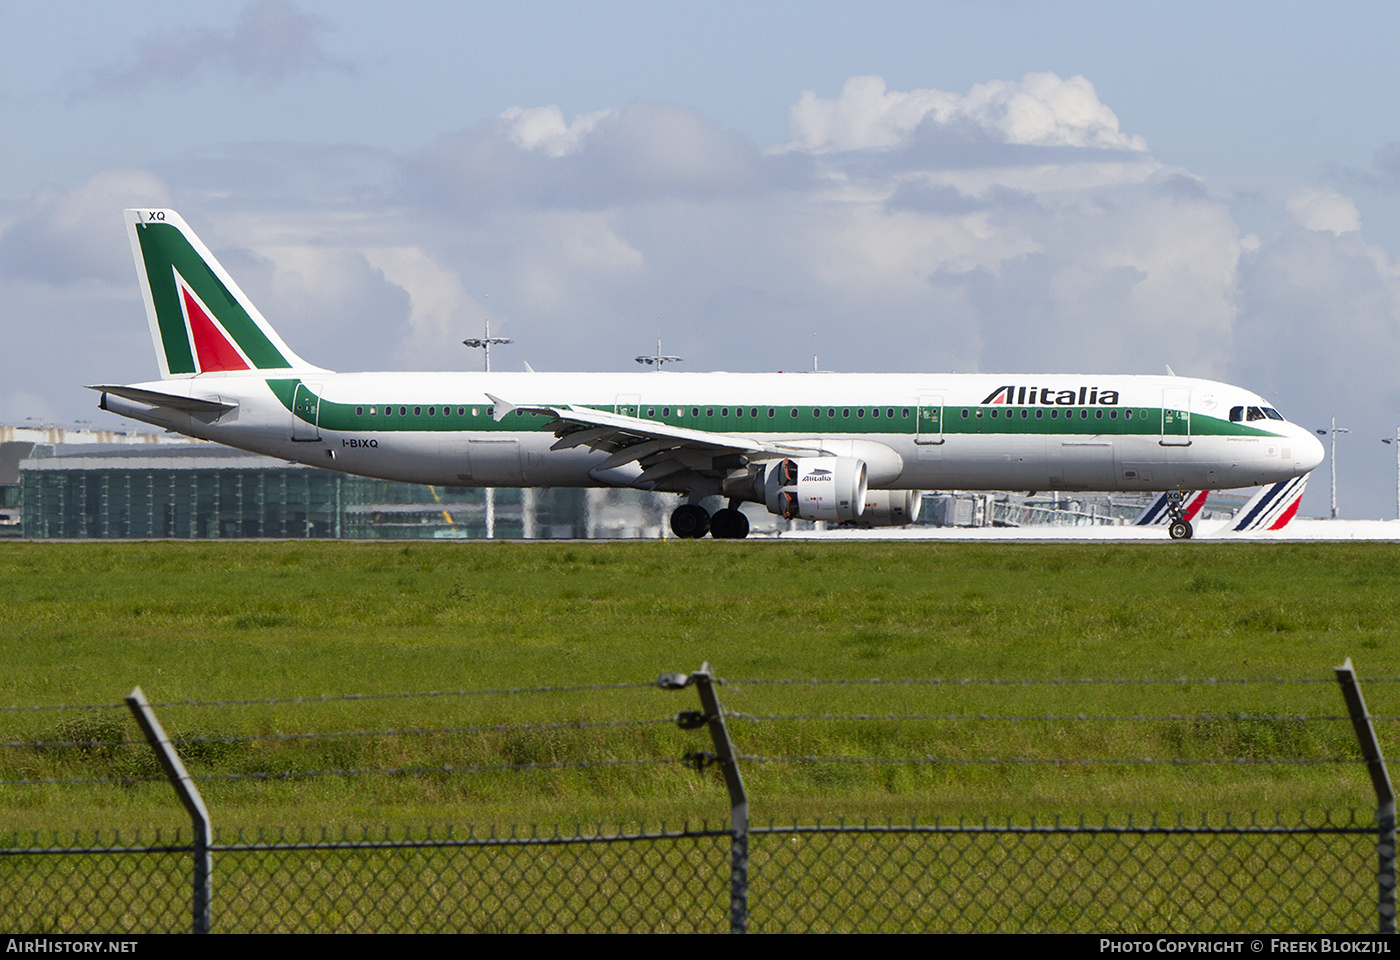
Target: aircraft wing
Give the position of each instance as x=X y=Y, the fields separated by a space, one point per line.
x=660 y=449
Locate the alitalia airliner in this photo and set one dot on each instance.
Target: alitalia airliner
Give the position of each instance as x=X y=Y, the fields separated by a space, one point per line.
x=845 y=448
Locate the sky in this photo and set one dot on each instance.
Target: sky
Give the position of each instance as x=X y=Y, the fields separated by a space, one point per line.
x=992 y=186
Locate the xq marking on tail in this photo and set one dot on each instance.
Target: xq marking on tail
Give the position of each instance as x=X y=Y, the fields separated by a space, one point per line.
x=848 y=448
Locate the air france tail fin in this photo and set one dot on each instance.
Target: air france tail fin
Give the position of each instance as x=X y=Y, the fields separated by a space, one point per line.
x=1271 y=508
x=201 y=322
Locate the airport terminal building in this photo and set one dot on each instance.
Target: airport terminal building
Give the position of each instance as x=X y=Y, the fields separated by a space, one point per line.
x=78 y=484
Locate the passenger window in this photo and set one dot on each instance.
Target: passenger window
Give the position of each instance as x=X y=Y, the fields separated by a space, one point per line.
x=817 y=412
x=372 y=411
x=876 y=413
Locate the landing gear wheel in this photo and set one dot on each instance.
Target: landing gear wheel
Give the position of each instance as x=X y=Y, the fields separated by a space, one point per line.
x=729 y=524
x=690 y=521
x=1180 y=528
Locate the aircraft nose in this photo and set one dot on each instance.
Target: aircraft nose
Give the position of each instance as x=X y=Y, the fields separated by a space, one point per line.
x=1307 y=453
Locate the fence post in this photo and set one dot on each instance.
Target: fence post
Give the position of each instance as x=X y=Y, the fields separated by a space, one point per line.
x=189 y=796
x=1385 y=796
x=713 y=717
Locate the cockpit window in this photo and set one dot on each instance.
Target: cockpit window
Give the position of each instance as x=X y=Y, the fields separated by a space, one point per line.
x=1236 y=414
x=1272 y=414
x=1254 y=413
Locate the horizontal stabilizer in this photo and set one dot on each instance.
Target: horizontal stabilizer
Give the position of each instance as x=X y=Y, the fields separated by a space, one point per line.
x=203 y=409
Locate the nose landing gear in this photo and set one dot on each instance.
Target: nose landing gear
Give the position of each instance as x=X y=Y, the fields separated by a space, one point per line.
x=1180 y=528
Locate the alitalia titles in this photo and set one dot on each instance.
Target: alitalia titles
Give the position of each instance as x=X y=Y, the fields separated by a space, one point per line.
x=1049 y=396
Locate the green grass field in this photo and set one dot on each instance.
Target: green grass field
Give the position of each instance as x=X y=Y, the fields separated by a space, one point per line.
x=214 y=622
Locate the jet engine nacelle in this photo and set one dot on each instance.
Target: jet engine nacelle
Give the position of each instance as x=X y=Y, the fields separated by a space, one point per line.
x=889 y=508
x=816 y=488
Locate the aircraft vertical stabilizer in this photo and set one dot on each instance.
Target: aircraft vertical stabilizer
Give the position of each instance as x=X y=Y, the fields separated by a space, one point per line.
x=201 y=322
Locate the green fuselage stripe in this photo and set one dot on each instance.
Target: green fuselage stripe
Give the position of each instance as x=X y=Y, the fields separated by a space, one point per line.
x=819 y=421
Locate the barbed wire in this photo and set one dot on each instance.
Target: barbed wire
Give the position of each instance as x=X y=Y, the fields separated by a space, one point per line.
x=331 y=698
x=181 y=739
x=359 y=772
x=1108 y=761
x=1035 y=681
x=733 y=683
x=1049 y=717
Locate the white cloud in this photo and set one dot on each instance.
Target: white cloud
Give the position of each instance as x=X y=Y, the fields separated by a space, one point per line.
x=1039 y=110
x=271 y=41
x=544 y=129
x=77 y=235
x=441 y=314
x=1324 y=210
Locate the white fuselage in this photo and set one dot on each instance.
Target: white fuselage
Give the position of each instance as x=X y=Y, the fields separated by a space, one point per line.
x=916 y=431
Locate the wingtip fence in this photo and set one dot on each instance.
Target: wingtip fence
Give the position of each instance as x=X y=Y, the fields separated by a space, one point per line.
x=724 y=755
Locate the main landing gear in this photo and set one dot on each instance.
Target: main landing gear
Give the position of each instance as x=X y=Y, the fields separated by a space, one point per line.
x=1180 y=527
x=690 y=521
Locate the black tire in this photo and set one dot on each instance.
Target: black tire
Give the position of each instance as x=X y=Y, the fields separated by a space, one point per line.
x=1180 y=530
x=729 y=524
x=690 y=521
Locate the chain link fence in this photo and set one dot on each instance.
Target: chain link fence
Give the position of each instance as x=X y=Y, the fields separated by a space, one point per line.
x=1286 y=875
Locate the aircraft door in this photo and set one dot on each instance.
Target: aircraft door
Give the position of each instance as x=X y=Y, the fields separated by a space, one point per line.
x=1176 y=417
x=929 y=428
x=306 y=412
